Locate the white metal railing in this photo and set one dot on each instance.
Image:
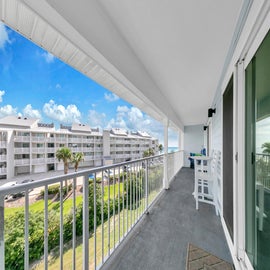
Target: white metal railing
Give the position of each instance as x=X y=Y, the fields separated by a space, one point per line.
x=60 y=139
x=94 y=211
x=36 y=161
x=38 y=149
x=21 y=150
x=3 y=170
x=3 y=144
x=22 y=138
x=3 y=157
x=263 y=170
x=38 y=139
x=25 y=161
x=50 y=160
x=175 y=163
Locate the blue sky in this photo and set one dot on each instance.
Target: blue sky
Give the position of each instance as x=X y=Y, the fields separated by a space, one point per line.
x=34 y=83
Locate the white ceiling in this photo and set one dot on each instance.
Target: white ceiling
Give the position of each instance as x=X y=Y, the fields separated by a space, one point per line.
x=164 y=56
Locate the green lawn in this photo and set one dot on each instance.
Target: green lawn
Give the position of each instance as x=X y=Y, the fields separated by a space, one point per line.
x=126 y=218
x=39 y=205
x=118 y=225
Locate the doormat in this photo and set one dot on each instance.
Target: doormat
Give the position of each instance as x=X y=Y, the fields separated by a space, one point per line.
x=199 y=259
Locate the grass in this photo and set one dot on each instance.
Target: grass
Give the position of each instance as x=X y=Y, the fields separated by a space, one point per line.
x=118 y=226
x=68 y=203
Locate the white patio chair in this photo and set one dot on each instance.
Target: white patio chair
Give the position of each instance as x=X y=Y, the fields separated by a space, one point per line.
x=205 y=180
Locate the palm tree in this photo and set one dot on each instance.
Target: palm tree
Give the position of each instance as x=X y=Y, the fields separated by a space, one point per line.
x=266 y=147
x=65 y=155
x=160 y=148
x=76 y=159
x=148 y=153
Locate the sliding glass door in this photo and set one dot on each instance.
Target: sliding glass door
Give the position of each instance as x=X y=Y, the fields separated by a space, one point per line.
x=258 y=157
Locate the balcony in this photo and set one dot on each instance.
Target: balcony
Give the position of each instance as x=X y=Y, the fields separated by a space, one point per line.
x=38 y=139
x=38 y=149
x=36 y=161
x=18 y=162
x=22 y=150
x=3 y=144
x=90 y=235
x=21 y=138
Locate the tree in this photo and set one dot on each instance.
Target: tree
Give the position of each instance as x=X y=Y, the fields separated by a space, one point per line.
x=160 y=148
x=148 y=153
x=266 y=147
x=76 y=159
x=65 y=155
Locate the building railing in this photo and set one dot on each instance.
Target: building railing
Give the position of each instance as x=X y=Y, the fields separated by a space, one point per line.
x=3 y=144
x=90 y=213
x=263 y=170
x=36 y=161
x=38 y=149
x=22 y=138
x=24 y=161
x=21 y=150
x=38 y=139
x=3 y=170
x=3 y=157
x=174 y=159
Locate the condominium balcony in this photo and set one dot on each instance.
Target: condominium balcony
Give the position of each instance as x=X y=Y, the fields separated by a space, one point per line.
x=3 y=170
x=3 y=144
x=129 y=222
x=21 y=150
x=38 y=149
x=22 y=138
x=24 y=161
x=36 y=161
x=38 y=139
x=3 y=157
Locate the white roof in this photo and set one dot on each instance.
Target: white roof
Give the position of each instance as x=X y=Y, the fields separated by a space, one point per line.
x=80 y=127
x=16 y=121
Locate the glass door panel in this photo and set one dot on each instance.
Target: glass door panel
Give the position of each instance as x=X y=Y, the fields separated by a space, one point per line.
x=258 y=157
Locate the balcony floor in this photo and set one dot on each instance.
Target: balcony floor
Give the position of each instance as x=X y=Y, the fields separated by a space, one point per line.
x=160 y=240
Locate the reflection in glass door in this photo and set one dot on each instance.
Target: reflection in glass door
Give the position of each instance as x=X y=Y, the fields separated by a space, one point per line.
x=258 y=157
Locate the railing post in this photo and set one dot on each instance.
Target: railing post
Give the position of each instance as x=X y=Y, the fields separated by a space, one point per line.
x=165 y=162
x=85 y=223
x=146 y=185
x=2 y=240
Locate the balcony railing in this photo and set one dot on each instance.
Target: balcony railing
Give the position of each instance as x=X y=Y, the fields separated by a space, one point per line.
x=22 y=138
x=25 y=161
x=91 y=216
x=21 y=150
x=36 y=161
x=263 y=170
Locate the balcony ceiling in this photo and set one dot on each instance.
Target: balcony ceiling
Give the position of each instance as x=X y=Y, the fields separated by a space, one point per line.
x=165 y=57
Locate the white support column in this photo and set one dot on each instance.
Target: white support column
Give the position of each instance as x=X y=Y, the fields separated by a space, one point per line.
x=180 y=140
x=165 y=176
x=239 y=165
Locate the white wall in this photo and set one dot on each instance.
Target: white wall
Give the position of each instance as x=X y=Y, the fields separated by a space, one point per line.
x=193 y=143
x=217 y=124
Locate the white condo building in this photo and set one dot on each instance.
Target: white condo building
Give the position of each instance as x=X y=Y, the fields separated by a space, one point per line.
x=27 y=146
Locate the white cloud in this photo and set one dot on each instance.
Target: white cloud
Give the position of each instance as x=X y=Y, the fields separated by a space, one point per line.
x=28 y=111
x=58 y=86
x=49 y=58
x=2 y=92
x=7 y=110
x=134 y=119
x=69 y=114
x=111 y=97
x=4 y=38
x=96 y=119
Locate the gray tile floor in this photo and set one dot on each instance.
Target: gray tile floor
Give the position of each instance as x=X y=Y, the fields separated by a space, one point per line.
x=160 y=240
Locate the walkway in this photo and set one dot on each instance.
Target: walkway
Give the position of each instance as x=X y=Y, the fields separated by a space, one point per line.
x=160 y=241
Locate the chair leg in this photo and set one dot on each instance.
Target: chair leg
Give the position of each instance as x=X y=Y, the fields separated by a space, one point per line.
x=196 y=194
